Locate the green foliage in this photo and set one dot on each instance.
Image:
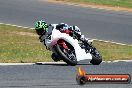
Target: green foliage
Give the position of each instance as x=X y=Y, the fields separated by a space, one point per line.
x=118 y=3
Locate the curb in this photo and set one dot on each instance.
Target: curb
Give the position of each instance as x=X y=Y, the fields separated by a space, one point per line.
x=17 y=26
x=112 y=42
x=122 y=61
x=50 y=63
x=6 y=64
x=116 y=61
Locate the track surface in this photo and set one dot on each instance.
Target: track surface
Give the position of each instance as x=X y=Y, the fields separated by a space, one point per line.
x=94 y=23
x=58 y=76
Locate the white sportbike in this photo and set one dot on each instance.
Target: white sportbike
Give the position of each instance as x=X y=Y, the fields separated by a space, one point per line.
x=69 y=49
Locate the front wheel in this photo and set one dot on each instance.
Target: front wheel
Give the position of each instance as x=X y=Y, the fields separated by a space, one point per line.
x=96 y=57
x=67 y=56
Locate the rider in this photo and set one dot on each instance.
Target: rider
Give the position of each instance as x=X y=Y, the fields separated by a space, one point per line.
x=41 y=28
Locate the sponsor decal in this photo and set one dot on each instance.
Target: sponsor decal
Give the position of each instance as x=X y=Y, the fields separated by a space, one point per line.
x=82 y=78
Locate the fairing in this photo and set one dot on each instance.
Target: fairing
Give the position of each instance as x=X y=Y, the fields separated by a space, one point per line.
x=56 y=35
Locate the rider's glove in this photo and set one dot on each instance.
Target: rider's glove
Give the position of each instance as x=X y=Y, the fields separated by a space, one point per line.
x=82 y=38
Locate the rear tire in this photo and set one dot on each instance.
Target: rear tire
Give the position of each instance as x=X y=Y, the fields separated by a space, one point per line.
x=69 y=61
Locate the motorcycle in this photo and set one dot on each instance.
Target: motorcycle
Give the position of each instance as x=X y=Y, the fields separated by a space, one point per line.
x=69 y=49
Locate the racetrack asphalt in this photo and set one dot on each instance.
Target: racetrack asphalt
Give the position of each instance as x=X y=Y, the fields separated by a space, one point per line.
x=94 y=23
x=58 y=76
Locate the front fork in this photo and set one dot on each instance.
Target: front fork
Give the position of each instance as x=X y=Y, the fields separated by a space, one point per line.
x=88 y=47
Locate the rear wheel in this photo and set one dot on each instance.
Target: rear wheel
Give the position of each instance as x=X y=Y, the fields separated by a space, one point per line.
x=67 y=55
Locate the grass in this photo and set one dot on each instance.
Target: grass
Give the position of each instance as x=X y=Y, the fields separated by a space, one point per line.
x=117 y=3
x=16 y=45
x=22 y=45
x=111 y=51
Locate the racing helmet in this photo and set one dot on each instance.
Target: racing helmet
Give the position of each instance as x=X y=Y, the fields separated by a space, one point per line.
x=41 y=27
x=65 y=27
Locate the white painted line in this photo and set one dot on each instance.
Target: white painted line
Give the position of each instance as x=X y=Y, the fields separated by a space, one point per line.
x=116 y=61
x=49 y=63
x=6 y=64
x=112 y=42
x=59 y=63
x=122 y=61
x=106 y=61
x=17 y=26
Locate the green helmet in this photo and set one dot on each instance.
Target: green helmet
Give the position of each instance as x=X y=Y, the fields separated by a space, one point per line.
x=41 y=27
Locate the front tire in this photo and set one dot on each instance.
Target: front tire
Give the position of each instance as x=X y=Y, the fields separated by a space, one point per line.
x=96 y=57
x=55 y=57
